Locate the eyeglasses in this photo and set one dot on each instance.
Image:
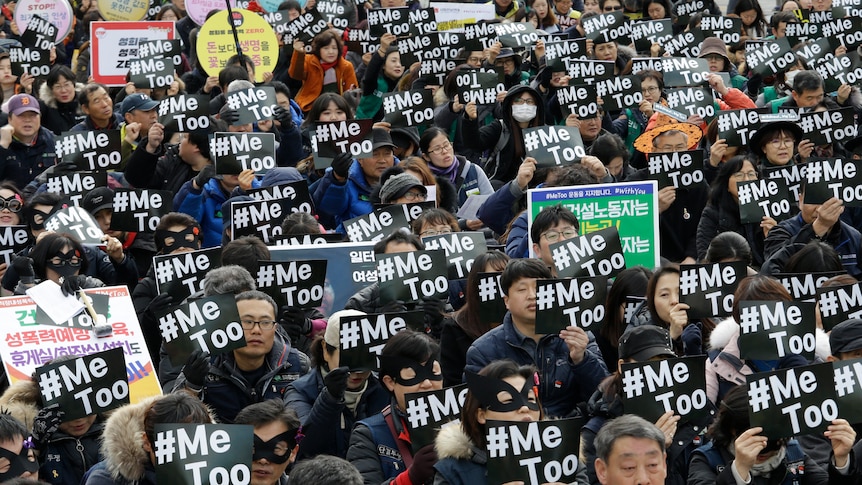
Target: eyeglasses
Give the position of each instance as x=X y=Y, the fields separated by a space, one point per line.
x=474 y=59
x=63 y=86
x=650 y=89
x=264 y=324
x=554 y=236
x=778 y=142
x=529 y=101
x=445 y=147
x=612 y=9
x=752 y=175
x=436 y=232
x=503 y=62
x=413 y=195
x=57 y=261
x=12 y=203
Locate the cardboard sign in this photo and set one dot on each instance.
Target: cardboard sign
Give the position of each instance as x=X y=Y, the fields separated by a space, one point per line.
x=824 y=127
x=435 y=71
x=376 y=225
x=708 y=288
x=419 y=47
x=361 y=42
x=40 y=33
x=479 y=87
x=645 y=33
x=692 y=101
x=461 y=248
x=685 y=44
x=78 y=222
x=770 y=330
x=598 y=253
x=185 y=112
x=632 y=208
x=533 y=452
x=211 y=324
x=151 y=73
x=516 y=34
x=833 y=177
x=848 y=388
x=236 y=152
x=430 y=411
x=87 y=385
x=479 y=36
x=90 y=150
x=839 y=303
x=253 y=104
x=653 y=388
x=677 y=169
x=182 y=275
x=579 y=100
x=736 y=127
x=846 y=69
x=165 y=49
x=645 y=63
x=12 y=240
x=456 y=17
x=492 y=308
x=57 y=12
x=114 y=45
x=295 y=194
x=363 y=337
x=553 y=146
x=589 y=72
x=683 y=71
x=677 y=115
x=83 y=320
x=608 y=27
x=332 y=138
x=797 y=32
x=794 y=401
x=139 y=210
x=28 y=60
x=195 y=454
x=216 y=43
x=297 y=284
x=412 y=276
x=408 y=108
x=306 y=26
x=306 y=239
x=770 y=57
x=803 y=286
x=334 y=13
x=401 y=21
x=279 y=21
x=619 y=92
x=791 y=174
x=564 y=302
x=559 y=53
x=816 y=51
x=74 y=186
x=728 y=29
x=763 y=198
x=261 y=218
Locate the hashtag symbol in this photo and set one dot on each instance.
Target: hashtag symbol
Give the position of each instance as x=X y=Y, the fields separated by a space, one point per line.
x=654 y=165
x=58 y=147
x=749 y=319
x=163 y=108
x=807 y=124
x=121 y=201
x=743 y=191
x=531 y=141
x=723 y=123
x=349 y=332
x=354 y=232
x=144 y=50
x=545 y=297
x=389 y=104
x=758 y=395
x=220 y=146
x=68 y=145
x=164 y=446
x=50 y=385
x=813 y=171
x=828 y=304
x=385 y=270
x=164 y=271
x=168 y=326
x=241 y=217
x=687 y=281
x=322 y=133
x=633 y=382
x=561 y=257
x=487 y=288
x=53 y=224
x=417 y=413
x=844 y=382
x=265 y=276
x=54 y=185
x=497 y=442
x=233 y=102
x=135 y=68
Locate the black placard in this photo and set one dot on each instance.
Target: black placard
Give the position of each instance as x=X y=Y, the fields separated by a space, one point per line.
x=779 y=401
x=492 y=308
x=261 y=218
x=803 y=286
x=210 y=324
x=533 y=452
x=40 y=33
x=848 y=388
x=435 y=71
x=608 y=27
x=479 y=36
x=332 y=138
x=728 y=29
x=163 y=48
x=771 y=330
x=189 y=454
x=79 y=223
x=306 y=26
x=825 y=127
x=139 y=210
x=236 y=152
x=479 y=87
x=846 y=69
x=653 y=388
x=297 y=284
x=553 y=146
x=408 y=108
x=580 y=100
x=834 y=177
x=412 y=276
x=185 y=112
x=74 y=186
x=85 y=386
x=769 y=57
x=683 y=9
x=692 y=101
x=619 y=92
x=294 y=193
x=376 y=225
x=361 y=42
x=848 y=31
x=684 y=71
x=29 y=60
x=558 y=53
x=564 y=302
x=308 y=239
x=361 y=338
x=684 y=44
x=645 y=33
x=182 y=275
x=593 y=254
x=335 y=13
x=428 y=412
x=736 y=127
x=676 y=169
x=792 y=175
x=12 y=240
x=763 y=198
x=589 y=72
x=516 y=34
x=151 y=72
x=401 y=21
x=417 y=48
x=839 y=303
x=708 y=288
x=253 y=104
x=816 y=51
x=797 y=32
x=461 y=249
x=90 y=150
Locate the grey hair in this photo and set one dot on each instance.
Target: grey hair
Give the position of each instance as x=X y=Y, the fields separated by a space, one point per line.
x=228 y=279
x=627 y=425
x=668 y=133
x=239 y=85
x=325 y=470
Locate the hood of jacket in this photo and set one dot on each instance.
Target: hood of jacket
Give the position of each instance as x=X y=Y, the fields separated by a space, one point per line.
x=22 y=401
x=47 y=96
x=723 y=333
x=122 y=441
x=452 y=442
x=516 y=91
x=280 y=175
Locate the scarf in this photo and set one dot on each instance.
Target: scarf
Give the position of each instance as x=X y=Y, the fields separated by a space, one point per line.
x=328 y=65
x=451 y=172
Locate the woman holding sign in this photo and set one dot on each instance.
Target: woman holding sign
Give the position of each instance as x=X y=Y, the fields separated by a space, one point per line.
x=324 y=71
x=381 y=76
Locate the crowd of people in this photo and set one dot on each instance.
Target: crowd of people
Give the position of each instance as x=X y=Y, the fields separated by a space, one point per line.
x=316 y=421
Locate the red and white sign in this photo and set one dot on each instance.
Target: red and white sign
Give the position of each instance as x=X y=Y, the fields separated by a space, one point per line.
x=115 y=44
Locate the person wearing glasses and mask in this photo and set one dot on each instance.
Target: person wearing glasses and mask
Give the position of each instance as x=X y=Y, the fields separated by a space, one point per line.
x=261 y=370
x=58 y=257
x=11 y=204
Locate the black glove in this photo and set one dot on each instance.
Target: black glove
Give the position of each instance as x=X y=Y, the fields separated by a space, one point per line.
x=422 y=469
x=45 y=424
x=229 y=116
x=433 y=309
x=205 y=175
x=393 y=307
x=341 y=164
x=336 y=382
x=197 y=368
x=159 y=304
x=71 y=284
x=692 y=339
x=23 y=266
x=295 y=323
x=283 y=116
x=753 y=85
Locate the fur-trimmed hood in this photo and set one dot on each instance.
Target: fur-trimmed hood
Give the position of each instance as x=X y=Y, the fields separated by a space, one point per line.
x=23 y=401
x=122 y=441
x=451 y=442
x=47 y=96
x=728 y=329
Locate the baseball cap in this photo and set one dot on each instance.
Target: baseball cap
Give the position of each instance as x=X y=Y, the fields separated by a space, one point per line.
x=332 y=335
x=23 y=102
x=846 y=336
x=137 y=101
x=98 y=199
x=645 y=342
x=381 y=138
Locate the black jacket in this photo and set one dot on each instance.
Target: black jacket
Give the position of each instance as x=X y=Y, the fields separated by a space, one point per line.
x=164 y=170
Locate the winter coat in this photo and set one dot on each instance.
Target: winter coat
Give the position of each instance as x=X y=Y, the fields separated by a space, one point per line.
x=327 y=422
x=450 y=121
x=338 y=202
x=367 y=300
x=205 y=205
x=307 y=68
x=66 y=458
x=376 y=452
x=87 y=124
x=56 y=116
x=164 y=170
x=21 y=163
x=454 y=343
x=724 y=218
x=791 y=235
x=471 y=180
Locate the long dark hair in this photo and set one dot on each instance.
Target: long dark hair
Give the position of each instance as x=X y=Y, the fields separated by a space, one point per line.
x=467 y=316
x=652 y=288
x=718 y=189
x=499 y=369
x=49 y=246
x=630 y=282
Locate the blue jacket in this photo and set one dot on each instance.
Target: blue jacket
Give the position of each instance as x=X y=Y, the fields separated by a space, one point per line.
x=328 y=422
x=562 y=384
x=339 y=202
x=21 y=163
x=205 y=206
x=791 y=235
x=499 y=209
x=374 y=450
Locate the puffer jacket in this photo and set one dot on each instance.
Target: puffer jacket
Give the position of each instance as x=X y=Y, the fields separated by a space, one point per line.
x=791 y=235
x=163 y=170
x=376 y=452
x=56 y=116
x=205 y=205
x=339 y=202
x=66 y=458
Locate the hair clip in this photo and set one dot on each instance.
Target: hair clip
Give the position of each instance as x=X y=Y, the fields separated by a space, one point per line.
x=299 y=435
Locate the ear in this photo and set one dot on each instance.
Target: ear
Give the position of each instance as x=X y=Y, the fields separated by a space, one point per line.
x=480 y=416
x=620 y=365
x=832 y=358
x=506 y=301
x=601 y=470
x=537 y=250
x=85 y=110
x=389 y=383
x=146 y=443
x=293 y=454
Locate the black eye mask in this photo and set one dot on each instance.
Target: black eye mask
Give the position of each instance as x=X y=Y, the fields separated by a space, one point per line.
x=66 y=269
x=266 y=449
x=180 y=239
x=18 y=464
x=31 y=214
x=392 y=366
x=487 y=389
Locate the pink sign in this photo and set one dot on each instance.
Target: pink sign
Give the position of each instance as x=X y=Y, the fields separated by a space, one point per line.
x=58 y=12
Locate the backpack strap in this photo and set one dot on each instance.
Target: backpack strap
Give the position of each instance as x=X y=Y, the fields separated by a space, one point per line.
x=406 y=454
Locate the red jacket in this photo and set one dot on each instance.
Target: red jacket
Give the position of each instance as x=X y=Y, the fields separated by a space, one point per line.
x=310 y=72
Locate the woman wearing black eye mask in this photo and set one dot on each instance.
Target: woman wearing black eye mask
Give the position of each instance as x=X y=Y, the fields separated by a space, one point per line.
x=59 y=258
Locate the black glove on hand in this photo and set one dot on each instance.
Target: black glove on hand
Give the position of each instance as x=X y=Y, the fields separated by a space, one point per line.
x=336 y=382
x=283 y=116
x=71 y=284
x=754 y=83
x=159 y=304
x=692 y=339
x=422 y=469
x=23 y=266
x=197 y=368
x=45 y=424
x=295 y=323
x=433 y=309
x=205 y=175
x=393 y=307
x=341 y=164
x=229 y=116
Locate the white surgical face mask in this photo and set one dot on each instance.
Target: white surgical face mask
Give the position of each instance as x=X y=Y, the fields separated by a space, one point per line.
x=788 y=78
x=523 y=112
